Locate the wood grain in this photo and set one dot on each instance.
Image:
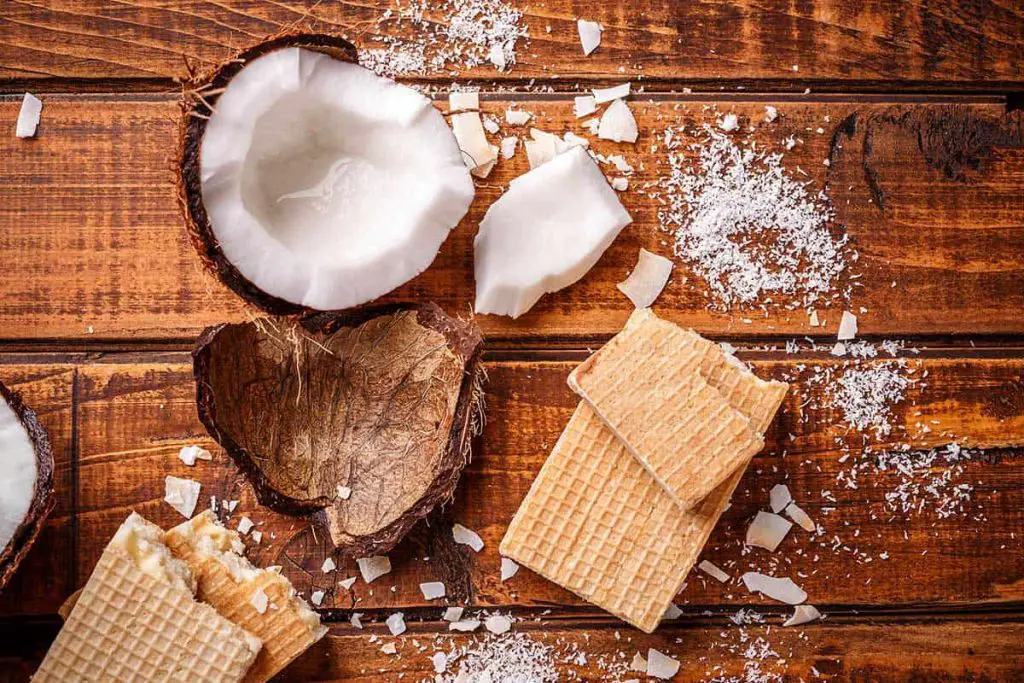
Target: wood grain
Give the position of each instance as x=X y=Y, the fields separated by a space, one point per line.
x=135 y=416
x=892 y=43
x=95 y=247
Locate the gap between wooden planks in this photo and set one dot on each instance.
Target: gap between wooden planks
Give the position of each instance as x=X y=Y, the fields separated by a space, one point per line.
x=131 y=418
x=930 y=194
x=892 y=44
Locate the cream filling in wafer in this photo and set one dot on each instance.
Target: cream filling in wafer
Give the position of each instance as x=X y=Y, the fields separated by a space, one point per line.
x=143 y=542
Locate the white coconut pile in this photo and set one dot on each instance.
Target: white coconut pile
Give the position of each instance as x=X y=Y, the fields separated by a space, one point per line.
x=449 y=36
x=748 y=228
x=865 y=395
x=510 y=657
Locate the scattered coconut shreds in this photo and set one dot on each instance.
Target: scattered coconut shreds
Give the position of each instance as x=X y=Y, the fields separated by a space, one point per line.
x=344 y=492
x=747 y=227
x=638 y=664
x=509 y=568
x=182 y=495
x=396 y=624
x=660 y=665
x=374 y=567
x=245 y=525
x=432 y=590
x=602 y=95
x=504 y=659
x=847 y=326
x=465 y=625
x=783 y=590
x=729 y=123
x=259 y=601
x=618 y=124
x=767 y=530
x=464 y=536
x=440 y=662
x=584 y=105
x=770 y=113
x=498 y=624
x=189 y=454
x=802 y=615
x=508 y=147
x=328 y=566
x=649 y=276
x=866 y=395
x=516 y=117
x=713 y=571
x=28 y=116
x=317 y=597
x=780 y=497
x=348 y=583
x=590 y=35
x=800 y=517
x=389 y=648
x=463 y=101
x=673 y=612
x=453 y=613
x=355 y=619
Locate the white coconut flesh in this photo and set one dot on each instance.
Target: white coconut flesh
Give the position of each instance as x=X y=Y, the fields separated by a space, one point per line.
x=18 y=471
x=326 y=185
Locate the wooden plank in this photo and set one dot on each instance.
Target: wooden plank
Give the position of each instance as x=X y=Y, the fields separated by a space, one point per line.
x=888 y=42
x=95 y=247
x=135 y=416
x=46 y=575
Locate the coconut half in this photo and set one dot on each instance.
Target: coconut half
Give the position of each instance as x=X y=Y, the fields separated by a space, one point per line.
x=309 y=182
x=26 y=480
x=364 y=420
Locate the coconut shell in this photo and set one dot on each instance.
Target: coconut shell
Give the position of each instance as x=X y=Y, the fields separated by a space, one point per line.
x=43 y=499
x=384 y=401
x=196 y=111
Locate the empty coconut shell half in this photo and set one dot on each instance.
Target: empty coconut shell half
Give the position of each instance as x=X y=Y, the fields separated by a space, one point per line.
x=310 y=183
x=26 y=480
x=364 y=419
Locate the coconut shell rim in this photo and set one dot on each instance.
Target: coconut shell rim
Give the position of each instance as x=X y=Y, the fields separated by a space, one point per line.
x=192 y=128
x=466 y=422
x=43 y=498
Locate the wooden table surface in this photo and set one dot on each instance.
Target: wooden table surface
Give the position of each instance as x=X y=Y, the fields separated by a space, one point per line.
x=101 y=296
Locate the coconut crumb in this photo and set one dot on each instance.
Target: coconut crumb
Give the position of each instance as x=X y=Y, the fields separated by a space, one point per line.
x=464 y=536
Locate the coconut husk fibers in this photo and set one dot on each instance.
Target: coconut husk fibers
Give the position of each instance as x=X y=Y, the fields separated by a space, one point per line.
x=43 y=499
x=201 y=93
x=383 y=401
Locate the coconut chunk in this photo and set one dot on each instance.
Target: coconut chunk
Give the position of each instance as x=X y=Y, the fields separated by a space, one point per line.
x=644 y=284
x=638 y=663
x=621 y=185
x=259 y=601
x=245 y=525
x=477 y=152
x=535 y=240
x=440 y=662
x=396 y=623
x=590 y=35
x=713 y=571
x=509 y=568
x=541 y=150
x=508 y=147
x=618 y=124
x=374 y=567
x=660 y=665
x=463 y=101
x=572 y=139
x=298 y=165
x=190 y=454
x=453 y=614
x=800 y=517
x=847 y=326
x=802 y=615
x=28 y=116
x=432 y=590
x=348 y=583
x=328 y=566
x=498 y=624
x=464 y=625
x=517 y=117
x=584 y=105
x=602 y=95
x=491 y=125
x=767 y=530
x=783 y=590
x=182 y=495
x=780 y=497
x=464 y=536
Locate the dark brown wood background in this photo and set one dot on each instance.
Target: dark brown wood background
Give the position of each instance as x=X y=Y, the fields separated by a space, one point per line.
x=101 y=296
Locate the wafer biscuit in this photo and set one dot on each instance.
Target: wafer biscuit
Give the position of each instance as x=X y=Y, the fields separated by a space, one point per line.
x=137 y=620
x=229 y=582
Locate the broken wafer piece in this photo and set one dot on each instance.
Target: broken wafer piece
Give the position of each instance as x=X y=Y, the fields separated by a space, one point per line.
x=646 y=385
x=137 y=619
x=237 y=589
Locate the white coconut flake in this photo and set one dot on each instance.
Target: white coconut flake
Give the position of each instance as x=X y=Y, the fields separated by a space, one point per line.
x=317 y=597
x=572 y=139
x=618 y=124
x=464 y=625
x=584 y=105
x=508 y=147
x=245 y=525
x=800 y=517
x=182 y=495
x=257 y=537
x=541 y=150
x=648 y=279
x=768 y=530
x=639 y=663
x=590 y=35
x=498 y=624
x=509 y=568
x=847 y=326
x=28 y=116
x=453 y=613
x=620 y=185
x=440 y=662
x=713 y=571
x=356 y=619
x=396 y=624
x=389 y=648
x=374 y=567
x=780 y=497
x=477 y=153
x=348 y=583
x=660 y=665
x=729 y=123
x=802 y=615
x=464 y=536
x=463 y=100
x=190 y=454
x=328 y=566
x=783 y=590
x=259 y=601
x=770 y=113
x=602 y=95
x=432 y=590
x=344 y=492
x=673 y=612
x=517 y=117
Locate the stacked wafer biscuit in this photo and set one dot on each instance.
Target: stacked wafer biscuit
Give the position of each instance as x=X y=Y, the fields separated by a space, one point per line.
x=178 y=606
x=626 y=501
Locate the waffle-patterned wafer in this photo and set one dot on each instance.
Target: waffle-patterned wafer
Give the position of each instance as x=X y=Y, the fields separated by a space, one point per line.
x=229 y=582
x=137 y=620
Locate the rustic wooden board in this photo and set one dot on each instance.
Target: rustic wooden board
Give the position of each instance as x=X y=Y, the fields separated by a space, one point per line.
x=888 y=43
x=134 y=416
x=95 y=248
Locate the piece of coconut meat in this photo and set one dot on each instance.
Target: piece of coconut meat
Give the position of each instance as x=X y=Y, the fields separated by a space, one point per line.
x=545 y=233
x=325 y=185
